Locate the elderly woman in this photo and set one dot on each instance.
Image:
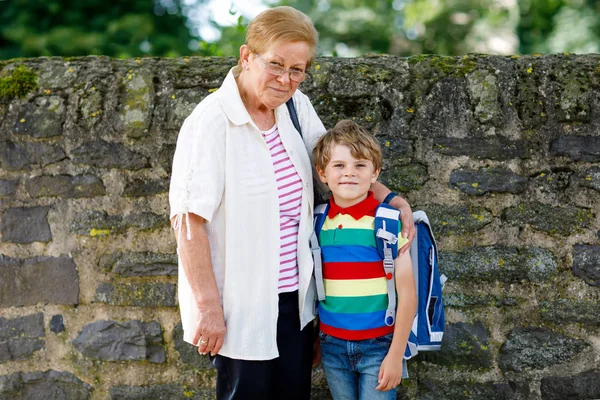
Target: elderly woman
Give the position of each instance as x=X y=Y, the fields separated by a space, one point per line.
x=241 y=202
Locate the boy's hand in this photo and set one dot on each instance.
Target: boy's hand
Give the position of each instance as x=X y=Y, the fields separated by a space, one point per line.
x=390 y=373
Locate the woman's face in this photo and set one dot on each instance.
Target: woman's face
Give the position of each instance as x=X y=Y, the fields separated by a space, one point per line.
x=272 y=90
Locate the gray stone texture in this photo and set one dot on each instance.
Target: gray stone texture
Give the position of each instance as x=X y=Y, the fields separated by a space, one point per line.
x=29 y=281
x=477 y=115
x=404 y=178
x=589 y=178
x=487 y=180
x=468 y=301
x=16 y=156
x=565 y=311
x=109 y=155
x=188 y=353
x=586 y=263
x=8 y=187
x=137 y=101
x=497 y=148
x=555 y=220
x=464 y=345
x=142 y=187
x=41 y=118
x=26 y=225
x=97 y=222
x=57 y=324
x=498 y=263
x=139 y=264
x=137 y=294
x=21 y=337
x=577 y=148
x=48 y=385
x=537 y=348
x=583 y=386
x=161 y=392
x=456 y=220
x=122 y=341
x=66 y=186
x=433 y=389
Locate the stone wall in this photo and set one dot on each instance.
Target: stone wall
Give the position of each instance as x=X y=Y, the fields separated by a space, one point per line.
x=502 y=152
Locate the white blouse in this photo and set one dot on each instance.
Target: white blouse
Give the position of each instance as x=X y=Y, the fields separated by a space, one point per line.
x=222 y=171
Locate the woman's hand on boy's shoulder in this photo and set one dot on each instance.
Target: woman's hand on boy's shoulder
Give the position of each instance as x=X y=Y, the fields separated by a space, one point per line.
x=390 y=373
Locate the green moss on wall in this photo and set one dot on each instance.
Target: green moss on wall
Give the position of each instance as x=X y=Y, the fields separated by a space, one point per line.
x=18 y=84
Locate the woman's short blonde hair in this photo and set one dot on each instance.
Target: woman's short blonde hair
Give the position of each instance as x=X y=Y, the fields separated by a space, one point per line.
x=281 y=24
x=348 y=133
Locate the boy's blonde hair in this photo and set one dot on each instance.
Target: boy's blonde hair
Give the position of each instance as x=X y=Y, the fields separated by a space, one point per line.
x=348 y=133
x=281 y=25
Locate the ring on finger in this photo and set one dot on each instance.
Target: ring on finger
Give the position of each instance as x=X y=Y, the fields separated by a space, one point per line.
x=202 y=341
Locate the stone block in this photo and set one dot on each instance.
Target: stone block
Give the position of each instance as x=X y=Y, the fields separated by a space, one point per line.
x=494 y=148
x=589 y=178
x=8 y=187
x=161 y=392
x=108 y=155
x=142 y=187
x=48 y=385
x=122 y=341
x=537 y=348
x=464 y=345
x=188 y=353
x=564 y=221
x=42 y=118
x=498 y=263
x=137 y=294
x=100 y=223
x=29 y=281
x=484 y=92
x=66 y=186
x=21 y=337
x=435 y=389
x=165 y=157
x=586 y=263
x=16 y=156
x=456 y=219
x=26 y=225
x=585 y=385
x=577 y=148
x=139 y=264
x=57 y=324
x=565 y=311
x=553 y=181
x=468 y=301
x=487 y=180
x=404 y=178
x=137 y=103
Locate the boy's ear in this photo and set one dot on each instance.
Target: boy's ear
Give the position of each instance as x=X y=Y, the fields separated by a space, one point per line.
x=375 y=175
x=321 y=174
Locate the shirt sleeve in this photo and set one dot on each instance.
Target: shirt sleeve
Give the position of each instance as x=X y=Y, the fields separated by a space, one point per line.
x=198 y=174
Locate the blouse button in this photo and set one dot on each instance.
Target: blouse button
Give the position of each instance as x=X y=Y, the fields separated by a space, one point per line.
x=340 y=226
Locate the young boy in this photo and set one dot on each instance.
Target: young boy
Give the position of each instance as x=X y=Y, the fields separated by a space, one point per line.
x=362 y=356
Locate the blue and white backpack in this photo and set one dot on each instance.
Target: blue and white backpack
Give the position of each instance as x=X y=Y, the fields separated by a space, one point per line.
x=428 y=325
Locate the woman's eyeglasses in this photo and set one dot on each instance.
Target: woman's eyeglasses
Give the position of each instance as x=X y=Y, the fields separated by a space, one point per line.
x=296 y=75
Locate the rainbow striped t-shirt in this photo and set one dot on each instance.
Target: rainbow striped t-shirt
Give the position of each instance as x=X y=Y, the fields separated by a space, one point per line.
x=353 y=275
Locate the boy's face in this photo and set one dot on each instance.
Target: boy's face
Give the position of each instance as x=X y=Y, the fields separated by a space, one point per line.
x=348 y=179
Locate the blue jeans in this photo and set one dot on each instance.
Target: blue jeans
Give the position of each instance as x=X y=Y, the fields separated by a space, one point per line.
x=352 y=367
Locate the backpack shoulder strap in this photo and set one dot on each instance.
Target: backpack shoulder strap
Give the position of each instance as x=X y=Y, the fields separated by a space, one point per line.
x=320 y=215
x=387 y=226
x=293 y=114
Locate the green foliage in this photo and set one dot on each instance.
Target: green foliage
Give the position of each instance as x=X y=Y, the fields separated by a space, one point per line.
x=132 y=28
x=18 y=84
x=453 y=27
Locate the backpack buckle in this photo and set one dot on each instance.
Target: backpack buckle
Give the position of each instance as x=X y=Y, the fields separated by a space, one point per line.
x=387 y=236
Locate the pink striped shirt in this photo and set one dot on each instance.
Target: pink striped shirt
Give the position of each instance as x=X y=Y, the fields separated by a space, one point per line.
x=289 y=190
